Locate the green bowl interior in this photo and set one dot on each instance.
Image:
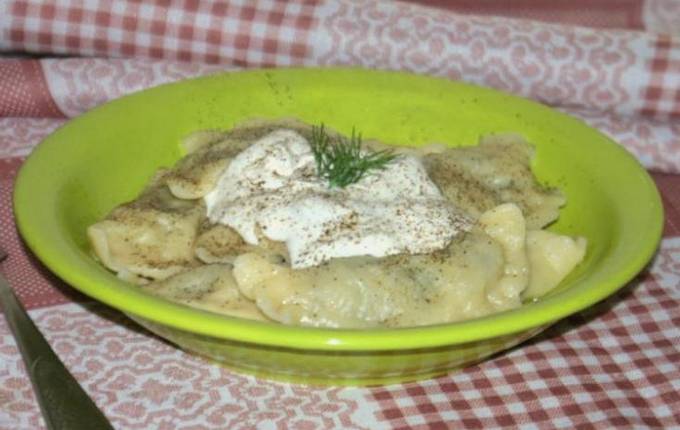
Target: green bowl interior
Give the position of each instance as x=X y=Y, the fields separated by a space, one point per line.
x=105 y=157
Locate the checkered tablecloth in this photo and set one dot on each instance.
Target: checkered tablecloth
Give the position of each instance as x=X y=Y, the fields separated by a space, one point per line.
x=615 y=64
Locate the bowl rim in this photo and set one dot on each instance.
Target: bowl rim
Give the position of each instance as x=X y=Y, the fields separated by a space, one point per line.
x=160 y=311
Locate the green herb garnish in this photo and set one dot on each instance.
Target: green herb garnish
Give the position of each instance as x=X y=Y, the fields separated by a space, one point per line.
x=342 y=161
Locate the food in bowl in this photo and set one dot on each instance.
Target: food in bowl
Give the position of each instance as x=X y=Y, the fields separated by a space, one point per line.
x=285 y=222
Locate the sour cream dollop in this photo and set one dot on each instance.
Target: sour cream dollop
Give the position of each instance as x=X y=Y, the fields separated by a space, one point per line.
x=271 y=190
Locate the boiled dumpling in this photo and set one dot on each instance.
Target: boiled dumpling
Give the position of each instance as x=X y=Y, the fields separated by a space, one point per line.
x=552 y=257
x=149 y=238
x=496 y=171
x=210 y=151
x=210 y=287
x=506 y=225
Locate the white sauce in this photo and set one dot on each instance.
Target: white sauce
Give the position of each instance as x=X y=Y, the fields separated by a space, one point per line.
x=271 y=189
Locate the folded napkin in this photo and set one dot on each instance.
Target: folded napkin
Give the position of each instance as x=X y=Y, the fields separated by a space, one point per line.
x=614 y=64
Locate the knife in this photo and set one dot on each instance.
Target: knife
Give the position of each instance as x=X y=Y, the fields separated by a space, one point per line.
x=63 y=402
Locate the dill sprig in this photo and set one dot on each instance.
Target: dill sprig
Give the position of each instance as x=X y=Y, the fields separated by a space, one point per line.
x=343 y=161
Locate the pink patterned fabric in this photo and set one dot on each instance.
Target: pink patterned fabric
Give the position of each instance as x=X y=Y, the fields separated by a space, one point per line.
x=78 y=85
x=630 y=78
x=662 y=93
x=141 y=382
x=655 y=142
x=25 y=91
x=559 y=65
x=248 y=33
x=656 y=16
x=19 y=135
x=662 y=16
x=613 y=64
x=612 y=366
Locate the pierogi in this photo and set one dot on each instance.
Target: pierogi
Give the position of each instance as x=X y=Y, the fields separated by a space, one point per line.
x=496 y=255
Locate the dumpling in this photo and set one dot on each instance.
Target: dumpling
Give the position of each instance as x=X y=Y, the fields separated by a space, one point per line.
x=210 y=152
x=506 y=225
x=402 y=290
x=210 y=287
x=341 y=293
x=151 y=237
x=552 y=257
x=496 y=171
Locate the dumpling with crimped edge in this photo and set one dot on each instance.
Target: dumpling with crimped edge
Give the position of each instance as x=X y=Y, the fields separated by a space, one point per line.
x=496 y=171
x=209 y=153
x=360 y=292
x=483 y=272
x=196 y=174
x=219 y=243
x=338 y=294
x=210 y=287
x=151 y=237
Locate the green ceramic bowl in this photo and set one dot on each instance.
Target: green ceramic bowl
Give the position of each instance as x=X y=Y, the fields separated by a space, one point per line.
x=104 y=158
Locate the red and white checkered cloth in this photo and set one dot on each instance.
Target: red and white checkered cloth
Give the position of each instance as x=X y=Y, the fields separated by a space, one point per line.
x=613 y=63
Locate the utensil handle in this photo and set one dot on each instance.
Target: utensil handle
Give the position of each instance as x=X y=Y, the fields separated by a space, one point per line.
x=64 y=403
